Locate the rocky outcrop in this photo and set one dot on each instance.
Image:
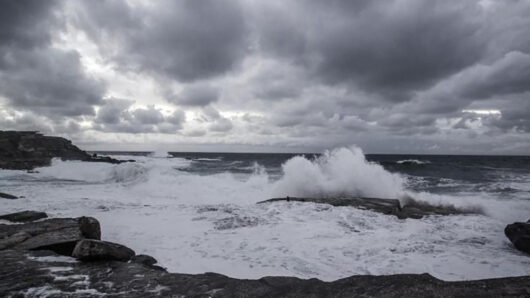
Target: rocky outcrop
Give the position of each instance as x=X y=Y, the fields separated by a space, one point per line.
x=24 y=216
x=519 y=235
x=56 y=234
x=34 y=270
x=7 y=196
x=412 y=209
x=25 y=150
x=96 y=250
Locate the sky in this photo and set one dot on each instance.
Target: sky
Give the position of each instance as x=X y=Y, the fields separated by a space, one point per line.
x=393 y=76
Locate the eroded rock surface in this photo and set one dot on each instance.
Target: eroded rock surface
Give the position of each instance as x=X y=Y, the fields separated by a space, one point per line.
x=97 y=250
x=412 y=209
x=57 y=234
x=44 y=272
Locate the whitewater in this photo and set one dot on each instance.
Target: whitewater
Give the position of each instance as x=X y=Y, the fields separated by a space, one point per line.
x=194 y=216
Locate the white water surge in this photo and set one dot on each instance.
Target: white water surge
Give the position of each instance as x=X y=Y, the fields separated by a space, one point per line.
x=197 y=223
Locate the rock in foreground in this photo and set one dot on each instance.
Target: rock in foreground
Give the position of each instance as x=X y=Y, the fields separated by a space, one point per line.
x=413 y=209
x=34 y=273
x=7 y=196
x=25 y=150
x=96 y=250
x=24 y=216
x=519 y=235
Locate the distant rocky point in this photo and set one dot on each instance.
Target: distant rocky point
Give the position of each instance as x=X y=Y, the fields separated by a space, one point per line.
x=26 y=150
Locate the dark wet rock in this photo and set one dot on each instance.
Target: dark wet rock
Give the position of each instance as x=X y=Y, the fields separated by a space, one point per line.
x=24 y=216
x=144 y=259
x=519 y=235
x=7 y=196
x=90 y=227
x=412 y=209
x=57 y=234
x=97 y=250
x=25 y=150
x=28 y=272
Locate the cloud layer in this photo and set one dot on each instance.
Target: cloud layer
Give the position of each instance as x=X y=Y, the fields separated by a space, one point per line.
x=392 y=76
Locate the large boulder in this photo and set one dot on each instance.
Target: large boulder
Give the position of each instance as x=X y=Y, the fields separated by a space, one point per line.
x=519 y=235
x=95 y=250
x=24 y=216
x=56 y=234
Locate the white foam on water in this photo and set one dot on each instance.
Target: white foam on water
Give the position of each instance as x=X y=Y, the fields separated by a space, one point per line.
x=197 y=223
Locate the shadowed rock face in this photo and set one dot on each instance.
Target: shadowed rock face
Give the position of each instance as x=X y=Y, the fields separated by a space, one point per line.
x=25 y=150
x=7 y=196
x=519 y=235
x=412 y=209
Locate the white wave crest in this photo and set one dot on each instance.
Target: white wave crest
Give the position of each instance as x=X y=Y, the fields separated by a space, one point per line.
x=343 y=171
x=413 y=161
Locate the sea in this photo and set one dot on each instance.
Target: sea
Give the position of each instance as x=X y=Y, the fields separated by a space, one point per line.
x=197 y=212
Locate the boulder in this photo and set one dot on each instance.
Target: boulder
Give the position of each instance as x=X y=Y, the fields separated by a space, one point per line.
x=95 y=250
x=56 y=234
x=144 y=259
x=24 y=216
x=519 y=235
x=7 y=196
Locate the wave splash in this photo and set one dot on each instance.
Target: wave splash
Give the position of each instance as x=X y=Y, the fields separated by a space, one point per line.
x=342 y=171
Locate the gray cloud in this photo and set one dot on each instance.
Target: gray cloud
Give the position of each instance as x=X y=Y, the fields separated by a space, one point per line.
x=182 y=40
x=194 y=95
x=36 y=76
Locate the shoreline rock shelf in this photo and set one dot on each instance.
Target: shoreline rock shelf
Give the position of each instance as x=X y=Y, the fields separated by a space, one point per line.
x=36 y=261
x=412 y=209
x=26 y=150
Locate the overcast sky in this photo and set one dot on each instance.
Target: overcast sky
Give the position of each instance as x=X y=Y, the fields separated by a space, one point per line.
x=400 y=76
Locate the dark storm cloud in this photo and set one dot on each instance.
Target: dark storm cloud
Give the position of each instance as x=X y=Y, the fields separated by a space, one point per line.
x=182 y=40
x=36 y=76
x=385 y=47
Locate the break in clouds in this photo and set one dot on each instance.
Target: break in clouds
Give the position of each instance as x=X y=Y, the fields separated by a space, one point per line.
x=391 y=76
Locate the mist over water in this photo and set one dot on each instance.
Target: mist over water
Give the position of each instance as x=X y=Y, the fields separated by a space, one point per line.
x=196 y=212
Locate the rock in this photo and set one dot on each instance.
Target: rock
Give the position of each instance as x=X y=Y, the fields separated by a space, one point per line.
x=24 y=273
x=412 y=209
x=25 y=150
x=144 y=259
x=7 y=196
x=90 y=227
x=24 y=216
x=519 y=235
x=96 y=250
x=56 y=234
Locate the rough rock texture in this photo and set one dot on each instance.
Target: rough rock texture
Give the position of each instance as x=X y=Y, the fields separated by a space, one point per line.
x=413 y=209
x=24 y=216
x=35 y=273
x=25 y=150
x=96 y=250
x=7 y=196
x=57 y=234
x=42 y=272
x=519 y=235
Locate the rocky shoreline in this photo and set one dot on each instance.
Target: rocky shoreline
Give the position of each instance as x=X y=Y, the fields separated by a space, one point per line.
x=57 y=257
x=26 y=150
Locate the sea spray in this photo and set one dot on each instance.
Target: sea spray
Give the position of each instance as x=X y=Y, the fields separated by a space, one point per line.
x=342 y=171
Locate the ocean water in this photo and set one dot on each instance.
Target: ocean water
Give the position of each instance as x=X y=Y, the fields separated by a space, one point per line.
x=197 y=212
